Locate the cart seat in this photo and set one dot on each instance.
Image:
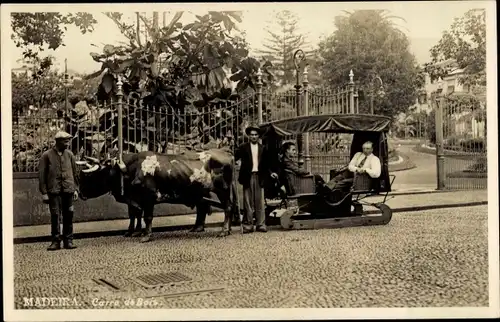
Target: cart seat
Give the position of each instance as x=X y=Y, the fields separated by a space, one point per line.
x=298 y=186
x=363 y=183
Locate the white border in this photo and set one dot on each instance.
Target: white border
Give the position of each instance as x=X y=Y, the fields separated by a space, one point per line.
x=243 y=314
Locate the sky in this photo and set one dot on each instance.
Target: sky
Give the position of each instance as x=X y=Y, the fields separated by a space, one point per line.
x=424 y=24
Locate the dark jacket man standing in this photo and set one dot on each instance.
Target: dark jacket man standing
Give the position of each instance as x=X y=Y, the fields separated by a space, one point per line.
x=254 y=171
x=58 y=184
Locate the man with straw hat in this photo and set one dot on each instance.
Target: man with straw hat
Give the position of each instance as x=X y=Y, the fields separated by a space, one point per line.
x=254 y=170
x=58 y=184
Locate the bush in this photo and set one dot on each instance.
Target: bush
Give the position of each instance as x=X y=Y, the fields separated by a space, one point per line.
x=480 y=166
x=453 y=143
x=473 y=145
x=393 y=152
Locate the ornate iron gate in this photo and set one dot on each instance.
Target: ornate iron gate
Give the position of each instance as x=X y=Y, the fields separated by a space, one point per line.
x=128 y=124
x=461 y=148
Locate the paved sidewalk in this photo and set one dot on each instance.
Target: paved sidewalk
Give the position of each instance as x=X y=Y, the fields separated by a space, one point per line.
x=432 y=258
x=408 y=202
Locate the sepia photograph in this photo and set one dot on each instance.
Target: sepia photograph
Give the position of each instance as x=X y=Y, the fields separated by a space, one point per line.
x=250 y=161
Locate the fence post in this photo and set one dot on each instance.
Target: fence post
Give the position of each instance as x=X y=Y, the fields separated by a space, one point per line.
x=440 y=102
x=119 y=93
x=259 y=96
x=297 y=107
x=351 y=92
x=305 y=83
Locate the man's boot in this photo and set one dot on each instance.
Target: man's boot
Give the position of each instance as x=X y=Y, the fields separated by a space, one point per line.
x=56 y=245
x=68 y=244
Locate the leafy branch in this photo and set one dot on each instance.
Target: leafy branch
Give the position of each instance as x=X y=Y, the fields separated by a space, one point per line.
x=464 y=47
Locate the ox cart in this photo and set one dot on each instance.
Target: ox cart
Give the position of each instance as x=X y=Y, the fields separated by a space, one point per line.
x=302 y=205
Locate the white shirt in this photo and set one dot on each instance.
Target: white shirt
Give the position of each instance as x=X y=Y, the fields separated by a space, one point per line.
x=371 y=166
x=255 y=157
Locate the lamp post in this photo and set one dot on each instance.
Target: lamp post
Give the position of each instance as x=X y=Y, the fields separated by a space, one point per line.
x=373 y=78
x=67 y=84
x=440 y=86
x=298 y=57
x=439 y=136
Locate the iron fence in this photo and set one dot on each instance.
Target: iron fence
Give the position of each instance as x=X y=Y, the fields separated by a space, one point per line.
x=29 y=137
x=461 y=145
x=332 y=101
x=165 y=129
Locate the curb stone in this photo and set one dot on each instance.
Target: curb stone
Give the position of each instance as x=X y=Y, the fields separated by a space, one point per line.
x=118 y=232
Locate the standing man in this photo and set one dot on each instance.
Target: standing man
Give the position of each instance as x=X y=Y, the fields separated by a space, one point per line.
x=58 y=179
x=254 y=171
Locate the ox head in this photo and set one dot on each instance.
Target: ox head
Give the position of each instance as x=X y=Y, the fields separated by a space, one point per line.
x=98 y=177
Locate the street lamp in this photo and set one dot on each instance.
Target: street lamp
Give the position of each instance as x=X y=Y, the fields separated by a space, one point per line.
x=67 y=84
x=440 y=86
x=380 y=92
x=298 y=57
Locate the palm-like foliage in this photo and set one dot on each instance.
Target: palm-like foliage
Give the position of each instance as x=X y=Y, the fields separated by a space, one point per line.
x=186 y=75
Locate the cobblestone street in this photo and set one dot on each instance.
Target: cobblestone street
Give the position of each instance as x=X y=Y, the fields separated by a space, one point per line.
x=430 y=258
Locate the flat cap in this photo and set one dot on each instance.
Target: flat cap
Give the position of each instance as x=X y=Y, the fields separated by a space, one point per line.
x=62 y=135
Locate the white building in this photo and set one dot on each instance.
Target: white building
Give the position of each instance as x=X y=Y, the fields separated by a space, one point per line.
x=466 y=123
x=24 y=70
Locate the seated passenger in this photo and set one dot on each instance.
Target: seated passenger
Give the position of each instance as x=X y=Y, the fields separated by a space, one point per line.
x=366 y=162
x=289 y=162
x=362 y=162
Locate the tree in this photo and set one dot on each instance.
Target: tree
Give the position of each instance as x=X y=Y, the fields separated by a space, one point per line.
x=40 y=91
x=33 y=31
x=367 y=42
x=465 y=45
x=281 y=45
x=178 y=73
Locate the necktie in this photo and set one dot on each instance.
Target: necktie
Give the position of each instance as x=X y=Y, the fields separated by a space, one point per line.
x=362 y=163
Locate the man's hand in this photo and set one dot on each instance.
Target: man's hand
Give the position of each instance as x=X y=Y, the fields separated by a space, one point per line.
x=45 y=198
x=75 y=196
x=274 y=175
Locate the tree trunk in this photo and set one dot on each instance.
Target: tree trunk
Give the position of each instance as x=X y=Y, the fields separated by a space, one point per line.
x=138 y=28
x=155 y=65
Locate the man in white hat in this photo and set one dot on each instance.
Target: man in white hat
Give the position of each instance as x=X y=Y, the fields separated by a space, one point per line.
x=58 y=184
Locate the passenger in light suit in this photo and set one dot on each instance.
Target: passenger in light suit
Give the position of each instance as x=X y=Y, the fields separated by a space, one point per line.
x=362 y=162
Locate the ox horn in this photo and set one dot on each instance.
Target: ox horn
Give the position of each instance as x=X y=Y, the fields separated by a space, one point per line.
x=95 y=160
x=81 y=163
x=91 y=168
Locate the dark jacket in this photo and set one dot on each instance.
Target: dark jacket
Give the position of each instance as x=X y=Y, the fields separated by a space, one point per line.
x=244 y=153
x=56 y=173
x=292 y=165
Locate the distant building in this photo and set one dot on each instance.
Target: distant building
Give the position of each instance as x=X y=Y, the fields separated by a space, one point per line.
x=466 y=122
x=24 y=70
x=73 y=75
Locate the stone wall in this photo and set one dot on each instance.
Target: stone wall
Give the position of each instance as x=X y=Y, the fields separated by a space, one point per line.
x=28 y=209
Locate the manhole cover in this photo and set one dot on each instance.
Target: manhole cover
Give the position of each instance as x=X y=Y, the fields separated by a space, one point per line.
x=154 y=280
